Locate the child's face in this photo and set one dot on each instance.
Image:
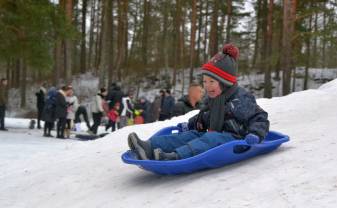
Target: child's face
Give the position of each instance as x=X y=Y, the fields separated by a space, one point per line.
x=70 y=93
x=117 y=107
x=211 y=86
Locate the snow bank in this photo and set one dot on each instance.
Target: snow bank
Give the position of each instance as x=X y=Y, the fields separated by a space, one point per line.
x=46 y=172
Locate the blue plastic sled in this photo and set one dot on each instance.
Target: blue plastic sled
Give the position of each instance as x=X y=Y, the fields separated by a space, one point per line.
x=219 y=156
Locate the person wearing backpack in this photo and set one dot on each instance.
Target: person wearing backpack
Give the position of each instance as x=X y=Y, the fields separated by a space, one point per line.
x=48 y=114
x=61 y=110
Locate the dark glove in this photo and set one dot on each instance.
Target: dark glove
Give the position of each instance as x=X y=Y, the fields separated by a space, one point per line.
x=183 y=126
x=252 y=139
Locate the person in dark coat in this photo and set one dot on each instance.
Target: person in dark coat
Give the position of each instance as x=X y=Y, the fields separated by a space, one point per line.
x=3 y=103
x=189 y=102
x=98 y=110
x=230 y=113
x=115 y=95
x=144 y=106
x=48 y=115
x=167 y=106
x=81 y=110
x=61 y=110
x=154 y=109
x=40 y=102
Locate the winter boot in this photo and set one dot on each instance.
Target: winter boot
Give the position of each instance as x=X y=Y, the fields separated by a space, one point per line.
x=141 y=148
x=67 y=133
x=160 y=155
x=32 y=124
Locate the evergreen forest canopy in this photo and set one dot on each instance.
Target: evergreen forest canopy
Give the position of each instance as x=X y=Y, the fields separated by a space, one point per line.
x=125 y=39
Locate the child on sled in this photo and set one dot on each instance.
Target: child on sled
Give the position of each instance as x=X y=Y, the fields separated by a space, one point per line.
x=230 y=113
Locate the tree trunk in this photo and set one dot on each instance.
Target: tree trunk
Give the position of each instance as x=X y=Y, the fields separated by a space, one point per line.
x=83 y=65
x=308 y=54
x=205 y=55
x=288 y=31
x=68 y=42
x=257 y=34
x=176 y=40
x=229 y=20
x=105 y=46
x=111 y=57
x=182 y=48
x=145 y=31
x=23 y=83
x=278 y=62
x=125 y=32
x=268 y=61
x=221 y=28
x=192 y=44
x=324 y=37
x=57 y=59
x=262 y=64
x=213 y=41
x=17 y=74
x=164 y=49
x=314 y=57
x=199 y=32
x=121 y=37
x=91 y=33
x=8 y=70
x=99 y=25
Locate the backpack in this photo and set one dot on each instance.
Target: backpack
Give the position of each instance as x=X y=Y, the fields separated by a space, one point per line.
x=51 y=99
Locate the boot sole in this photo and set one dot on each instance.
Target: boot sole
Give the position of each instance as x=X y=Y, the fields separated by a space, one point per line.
x=138 y=149
x=131 y=146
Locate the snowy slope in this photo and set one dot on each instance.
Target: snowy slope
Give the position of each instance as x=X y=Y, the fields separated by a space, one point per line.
x=46 y=172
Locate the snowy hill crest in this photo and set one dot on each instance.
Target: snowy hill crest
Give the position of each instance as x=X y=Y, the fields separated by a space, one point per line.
x=45 y=172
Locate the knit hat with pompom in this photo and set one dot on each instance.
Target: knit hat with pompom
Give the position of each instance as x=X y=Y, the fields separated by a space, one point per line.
x=223 y=66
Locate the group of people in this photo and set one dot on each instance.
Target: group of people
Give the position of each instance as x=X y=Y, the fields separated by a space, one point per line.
x=57 y=105
x=119 y=108
x=62 y=107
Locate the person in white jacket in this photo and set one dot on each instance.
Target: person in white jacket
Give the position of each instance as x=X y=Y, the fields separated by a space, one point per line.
x=127 y=110
x=98 y=110
x=72 y=103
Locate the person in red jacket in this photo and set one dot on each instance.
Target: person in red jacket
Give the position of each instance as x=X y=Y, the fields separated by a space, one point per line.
x=113 y=116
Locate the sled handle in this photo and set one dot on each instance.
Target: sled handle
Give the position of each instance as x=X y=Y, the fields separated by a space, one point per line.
x=167 y=131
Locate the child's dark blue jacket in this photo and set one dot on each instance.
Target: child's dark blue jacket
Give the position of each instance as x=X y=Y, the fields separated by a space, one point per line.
x=242 y=116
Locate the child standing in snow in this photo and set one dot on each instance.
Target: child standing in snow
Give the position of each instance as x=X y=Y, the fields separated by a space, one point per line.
x=113 y=116
x=72 y=105
x=230 y=113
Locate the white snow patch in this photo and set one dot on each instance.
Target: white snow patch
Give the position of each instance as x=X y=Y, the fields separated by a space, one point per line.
x=46 y=172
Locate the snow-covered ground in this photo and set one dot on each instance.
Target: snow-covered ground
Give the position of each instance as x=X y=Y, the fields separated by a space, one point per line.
x=47 y=172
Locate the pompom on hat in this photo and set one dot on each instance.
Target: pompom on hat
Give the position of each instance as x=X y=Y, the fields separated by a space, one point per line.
x=223 y=66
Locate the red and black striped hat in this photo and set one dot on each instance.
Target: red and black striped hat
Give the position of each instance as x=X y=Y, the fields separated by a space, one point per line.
x=223 y=66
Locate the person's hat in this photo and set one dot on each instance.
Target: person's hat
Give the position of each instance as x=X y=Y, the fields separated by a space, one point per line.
x=223 y=66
